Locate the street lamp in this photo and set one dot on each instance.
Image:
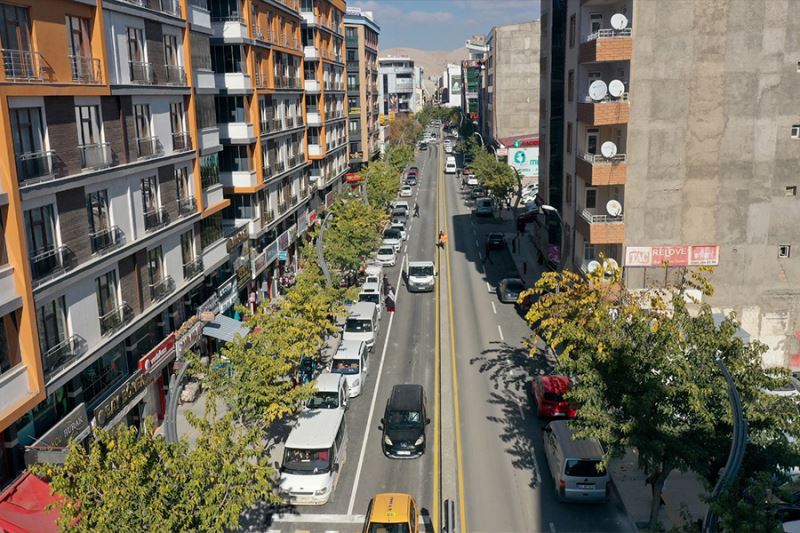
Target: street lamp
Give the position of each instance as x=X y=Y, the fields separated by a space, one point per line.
x=564 y=241
x=479 y=135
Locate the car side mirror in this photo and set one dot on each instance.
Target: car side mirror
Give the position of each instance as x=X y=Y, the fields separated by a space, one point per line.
x=335 y=467
x=277 y=465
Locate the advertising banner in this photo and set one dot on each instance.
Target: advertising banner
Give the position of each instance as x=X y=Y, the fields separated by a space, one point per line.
x=158 y=356
x=656 y=256
x=525 y=160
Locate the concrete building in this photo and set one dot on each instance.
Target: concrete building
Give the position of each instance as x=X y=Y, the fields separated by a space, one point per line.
x=397 y=85
x=450 y=86
x=474 y=78
x=512 y=81
x=363 y=105
x=685 y=153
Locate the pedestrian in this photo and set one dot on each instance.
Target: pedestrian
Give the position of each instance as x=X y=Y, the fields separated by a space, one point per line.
x=416 y=209
x=442 y=241
x=390 y=298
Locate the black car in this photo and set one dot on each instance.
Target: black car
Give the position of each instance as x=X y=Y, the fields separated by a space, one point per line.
x=423 y=146
x=478 y=192
x=411 y=180
x=509 y=289
x=404 y=421
x=495 y=241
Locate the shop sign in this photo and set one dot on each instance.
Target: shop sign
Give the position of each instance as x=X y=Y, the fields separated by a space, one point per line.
x=259 y=263
x=237 y=238
x=329 y=198
x=283 y=241
x=292 y=231
x=271 y=252
x=302 y=221
x=209 y=309
x=525 y=160
x=51 y=447
x=120 y=398
x=188 y=339
x=312 y=217
x=227 y=294
x=681 y=256
x=283 y=256
x=155 y=358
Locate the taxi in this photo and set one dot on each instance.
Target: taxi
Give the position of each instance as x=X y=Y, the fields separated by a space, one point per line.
x=392 y=512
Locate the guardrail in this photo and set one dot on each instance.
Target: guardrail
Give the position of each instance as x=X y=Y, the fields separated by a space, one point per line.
x=601 y=219
x=95 y=156
x=141 y=72
x=85 y=69
x=607 y=99
x=36 y=166
x=176 y=75
x=105 y=239
x=22 y=65
x=161 y=288
x=181 y=141
x=63 y=353
x=606 y=33
x=48 y=262
x=600 y=158
x=155 y=218
x=187 y=206
x=193 y=267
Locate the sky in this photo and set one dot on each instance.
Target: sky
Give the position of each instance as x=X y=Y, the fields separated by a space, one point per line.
x=442 y=24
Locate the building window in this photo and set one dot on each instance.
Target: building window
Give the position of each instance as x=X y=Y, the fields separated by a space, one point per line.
x=210 y=230
x=137 y=54
x=201 y=51
x=591 y=198
x=354 y=125
x=187 y=247
x=182 y=182
x=230 y=109
x=796 y=131
x=103 y=374
x=352 y=56
x=569 y=137
x=568 y=190
x=9 y=342
x=784 y=250
x=227 y=59
x=209 y=170
x=52 y=322
x=141 y=114
x=595 y=22
x=791 y=190
x=155 y=264
x=97 y=210
x=28 y=131
x=571 y=86
x=41 y=226
x=150 y=194
x=171 y=51
x=106 y=291
x=572 y=30
x=206 y=111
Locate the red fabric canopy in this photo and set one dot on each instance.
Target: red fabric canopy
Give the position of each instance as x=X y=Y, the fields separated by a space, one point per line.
x=22 y=506
x=528 y=139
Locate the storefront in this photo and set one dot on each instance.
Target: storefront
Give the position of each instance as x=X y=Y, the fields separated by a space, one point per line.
x=155 y=366
x=123 y=405
x=52 y=446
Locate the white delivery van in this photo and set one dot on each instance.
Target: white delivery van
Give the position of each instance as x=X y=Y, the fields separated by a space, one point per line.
x=313 y=456
x=330 y=392
x=350 y=360
x=362 y=323
x=374 y=274
x=576 y=465
x=450 y=165
x=371 y=292
x=420 y=276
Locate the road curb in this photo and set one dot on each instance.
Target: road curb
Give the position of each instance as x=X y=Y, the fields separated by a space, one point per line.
x=631 y=523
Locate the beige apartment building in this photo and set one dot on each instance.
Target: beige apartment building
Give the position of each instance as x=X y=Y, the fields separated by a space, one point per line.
x=361 y=40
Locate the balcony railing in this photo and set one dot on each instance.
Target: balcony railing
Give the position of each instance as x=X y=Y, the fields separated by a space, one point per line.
x=355 y=110
x=293 y=200
x=262 y=80
x=176 y=75
x=600 y=158
x=22 y=65
x=601 y=219
x=606 y=33
x=105 y=239
x=161 y=288
x=181 y=141
x=35 y=166
x=193 y=268
x=63 y=353
x=155 y=218
x=608 y=98
x=170 y=7
x=85 y=69
x=116 y=319
x=95 y=156
x=264 y=35
x=187 y=206
x=50 y=262
x=281 y=208
x=142 y=72
x=149 y=147
x=267 y=217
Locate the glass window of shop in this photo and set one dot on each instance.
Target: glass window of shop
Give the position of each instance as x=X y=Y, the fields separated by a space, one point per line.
x=103 y=376
x=9 y=342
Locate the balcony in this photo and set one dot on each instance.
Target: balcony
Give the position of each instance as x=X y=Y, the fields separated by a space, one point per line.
x=50 y=262
x=141 y=72
x=35 y=167
x=22 y=65
x=310 y=53
x=262 y=80
x=209 y=138
x=176 y=75
x=311 y=85
x=314 y=150
x=181 y=142
x=63 y=353
x=85 y=69
x=313 y=118
x=193 y=268
x=187 y=206
x=155 y=218
x=239 y=178
x=233 y=81
x=169 y=7
x=231 y=27
x=116 y=319
x=607 y=45
x=199 y=15
x=267 y=217
x=596 y=169
x=161 y=288
x=204 y=79
x=106 y=239
x=149 y=147
x=293 y=200
x=600 y=228
x=264 y=35
x=605 y=112
x=296 y=160
x=237 y=132
x=355 y=110
x=95 y=156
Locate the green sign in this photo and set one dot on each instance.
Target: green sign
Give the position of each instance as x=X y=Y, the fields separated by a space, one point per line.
x=517 y=143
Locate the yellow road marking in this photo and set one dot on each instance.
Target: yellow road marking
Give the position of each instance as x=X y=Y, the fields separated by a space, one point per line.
x=437 y=357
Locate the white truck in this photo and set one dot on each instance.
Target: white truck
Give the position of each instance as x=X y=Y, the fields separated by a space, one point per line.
x=420 y=276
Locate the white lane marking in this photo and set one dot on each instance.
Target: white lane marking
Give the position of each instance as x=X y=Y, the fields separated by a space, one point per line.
x=489 y=287
x=494 y=308
x=374 y=397
x=552 y=528
x=321 y=518
x=405 y=248
x=501 y=332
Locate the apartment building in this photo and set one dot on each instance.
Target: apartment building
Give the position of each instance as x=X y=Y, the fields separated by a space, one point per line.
x=657 y=152
x=363 y=105
x=473 y=77
x=450 y=85
x=398 y=83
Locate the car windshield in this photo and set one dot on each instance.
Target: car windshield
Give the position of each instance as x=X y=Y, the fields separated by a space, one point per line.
x=484 y=202
x=419 y=271
x=358 y=325
x=553 y=397
x=371 y=297
x=514 y=285
x=344 y=366
x=306 y=461
x=391 y=234
x=375 y=527
x=404 y=419
x=324 y=400
x=386 y=251
x=583 y=468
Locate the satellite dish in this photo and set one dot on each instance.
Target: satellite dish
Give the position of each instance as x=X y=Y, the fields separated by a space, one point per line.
x=598 y=90
x=593 y=265
x=612 y=264
x=608 y=149
x=616 y=88
x=614 y=208
x=619 y=21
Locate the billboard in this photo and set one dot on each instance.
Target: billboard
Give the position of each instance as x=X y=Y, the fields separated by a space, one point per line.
x=525 y=160
x=656 y=256
x=455 y=85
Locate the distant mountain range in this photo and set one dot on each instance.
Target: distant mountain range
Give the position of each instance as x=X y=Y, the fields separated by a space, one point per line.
x=433 y=62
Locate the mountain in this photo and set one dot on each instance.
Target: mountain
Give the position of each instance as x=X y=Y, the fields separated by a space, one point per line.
x=433 y=62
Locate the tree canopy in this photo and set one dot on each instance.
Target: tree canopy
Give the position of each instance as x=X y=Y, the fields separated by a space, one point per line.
x=430 y=113
x=383 y=182
x=398 y=156
x=353 y=232
x=498 y=178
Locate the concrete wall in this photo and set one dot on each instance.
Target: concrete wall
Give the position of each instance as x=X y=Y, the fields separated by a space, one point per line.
x=714 y=92
x=515 y=66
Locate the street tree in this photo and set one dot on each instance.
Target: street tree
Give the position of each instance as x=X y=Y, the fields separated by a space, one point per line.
x=352 y=233
x=398 y=156
x=431 y=112
x=131 y=480
x=645 y=375
x=404 y=130
x=498 y=178
x=383 y=182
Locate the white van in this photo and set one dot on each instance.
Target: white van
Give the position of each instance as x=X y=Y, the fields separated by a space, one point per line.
x=575 y=465
x=362 y=323
x=450 y=165
x=330 y=392
x=371 y=292
x=350 y=360
x=313 y=456
x=374 y=274
x=420 y=276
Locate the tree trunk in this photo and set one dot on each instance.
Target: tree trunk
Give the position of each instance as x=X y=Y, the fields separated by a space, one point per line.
x=655 y=505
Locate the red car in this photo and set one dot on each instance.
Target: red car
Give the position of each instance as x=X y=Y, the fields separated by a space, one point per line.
x=548 y=393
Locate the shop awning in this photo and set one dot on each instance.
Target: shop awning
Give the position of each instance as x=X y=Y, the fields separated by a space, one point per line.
x=225 y=329
x=22 y=506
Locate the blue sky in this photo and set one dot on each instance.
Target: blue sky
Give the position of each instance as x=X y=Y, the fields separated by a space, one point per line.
x=443 y=24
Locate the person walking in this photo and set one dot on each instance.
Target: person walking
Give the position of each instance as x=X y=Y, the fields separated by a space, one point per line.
x=416 y=210
x=390 y=299
x=442 y=241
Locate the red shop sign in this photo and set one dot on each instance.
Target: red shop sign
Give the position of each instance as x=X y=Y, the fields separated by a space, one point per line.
x=161 y=352
x=656 y=256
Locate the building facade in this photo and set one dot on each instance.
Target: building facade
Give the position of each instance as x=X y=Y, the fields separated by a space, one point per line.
x=450 y=85
x=363 y=103
x=397 y=80
x=474 y=80
x=677 y=156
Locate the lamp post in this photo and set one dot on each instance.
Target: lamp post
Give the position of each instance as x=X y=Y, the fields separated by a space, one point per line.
x=481 y=137
x=564 y=241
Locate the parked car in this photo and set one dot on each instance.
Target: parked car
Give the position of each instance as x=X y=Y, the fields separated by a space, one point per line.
x=576 y=465
x=401 y=227
x=393 y=238
x=330 y=392
x=386 y=256
x=547 y=393
x=406 y=191
x=400 y=204
x=423 y=146
x=496 y=241
x=484 y=207
x=477 y=192
x=411 y=180
x=509 y=289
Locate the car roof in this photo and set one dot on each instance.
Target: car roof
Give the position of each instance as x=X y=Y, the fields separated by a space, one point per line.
x=362 y=309
x=371 y=286
x=315 y=428
x=405 y=397
x=575 y=449
x=420 y=263
x=348 y=349
x=556 y=384
x=386 y=247
x=390 y=508
x=328 y=381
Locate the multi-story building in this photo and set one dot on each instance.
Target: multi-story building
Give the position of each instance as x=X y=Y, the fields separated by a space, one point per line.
x=397 y=86
x=450 y=86
x=473 y=77
x=679 y=157
x=361 y=39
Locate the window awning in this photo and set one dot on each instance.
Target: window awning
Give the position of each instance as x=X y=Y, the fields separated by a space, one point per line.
x=22 y=506
x=225 y=328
